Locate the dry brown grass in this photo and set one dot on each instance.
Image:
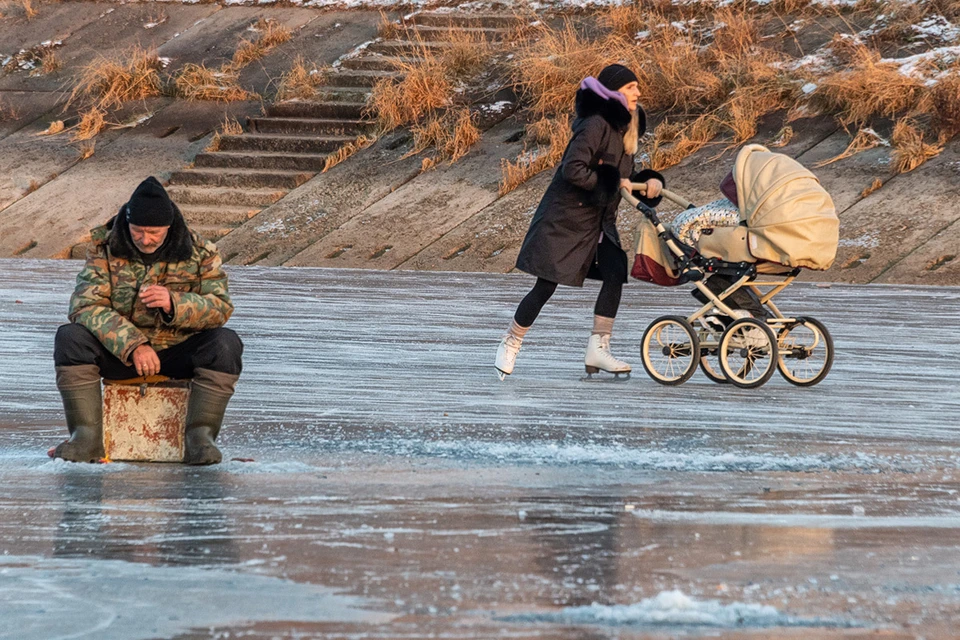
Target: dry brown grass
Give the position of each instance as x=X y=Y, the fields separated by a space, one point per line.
x=424 y=88
x=868 y=89
x=106 y=83
x=550 y=65
x=691 y=62
x=347 y=150
x=39 y=59
x=300 y=82
x=466 y=54
x=55 y=127
x=550 y=135
x=865 y=139
x=231 y=127
x=671 y=145
x=28 y=9
x=50 y=62
x=228 y=127
x=944 y=101
x=909 y=148
x=92 y=122
x=270 y=34
x=87 y=149
x=876 y=184
x=388 y=29
x=451 y=133
x=197 y=82
x=783 y=137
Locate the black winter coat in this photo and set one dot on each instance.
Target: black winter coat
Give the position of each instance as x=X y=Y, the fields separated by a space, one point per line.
x=583 y=198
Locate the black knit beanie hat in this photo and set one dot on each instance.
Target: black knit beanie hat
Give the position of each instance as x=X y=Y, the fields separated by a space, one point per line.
x=615 y=76
x=150 y=206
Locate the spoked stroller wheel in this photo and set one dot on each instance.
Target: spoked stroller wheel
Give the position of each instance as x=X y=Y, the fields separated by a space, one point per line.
x=709 y=356
x=748 y=353
x=671 y=350
x=805 y=352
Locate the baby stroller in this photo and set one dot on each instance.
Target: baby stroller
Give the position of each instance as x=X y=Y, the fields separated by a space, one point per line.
x=788 y=223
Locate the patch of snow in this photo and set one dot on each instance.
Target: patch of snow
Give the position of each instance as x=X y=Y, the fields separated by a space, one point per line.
x=676 y=609
x=809 y=88
x=271 y=227
x=867 y=240
x=497 y=107
x=929 y=65
x=937 y=27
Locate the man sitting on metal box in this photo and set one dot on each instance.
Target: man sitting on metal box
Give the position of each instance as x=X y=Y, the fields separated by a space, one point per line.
x=152 y=299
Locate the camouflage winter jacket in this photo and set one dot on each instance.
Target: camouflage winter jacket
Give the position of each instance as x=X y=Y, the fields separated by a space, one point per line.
x=106 y=300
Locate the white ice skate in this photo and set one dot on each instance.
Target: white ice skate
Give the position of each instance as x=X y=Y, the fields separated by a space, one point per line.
x=507 y=355
x=598 y=358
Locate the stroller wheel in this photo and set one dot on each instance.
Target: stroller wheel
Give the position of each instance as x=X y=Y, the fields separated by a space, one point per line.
x=748 y=353
x=805 y=352
x=670 y=350
x=709 y=358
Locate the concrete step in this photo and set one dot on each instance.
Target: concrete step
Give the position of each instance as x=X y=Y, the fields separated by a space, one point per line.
x=343 y=94
x=283 y=144
x=377 y=63
x=350 y=78
x=212 y=232
x=262 y=160
x=185 y=195
x=405 y=47
x=433 y=34
x=221 y=215
x=313 y=126
x=310 y=109
x=476 y=20
x=248 y=178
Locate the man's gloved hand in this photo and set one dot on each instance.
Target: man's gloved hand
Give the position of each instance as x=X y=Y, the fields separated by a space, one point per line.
x=157 y=297
x=146 y=361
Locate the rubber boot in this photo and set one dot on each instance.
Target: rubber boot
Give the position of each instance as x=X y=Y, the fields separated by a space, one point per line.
x=209 y=395
x=79 y=387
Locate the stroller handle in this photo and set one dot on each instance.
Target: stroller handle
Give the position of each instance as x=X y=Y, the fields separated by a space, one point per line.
x=678 y=200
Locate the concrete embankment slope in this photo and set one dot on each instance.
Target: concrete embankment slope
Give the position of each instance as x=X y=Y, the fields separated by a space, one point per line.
x=50 y=193
x=263 y=196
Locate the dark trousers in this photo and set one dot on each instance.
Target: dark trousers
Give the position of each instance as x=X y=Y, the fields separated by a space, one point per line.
x=609 y=265
x=217 y=350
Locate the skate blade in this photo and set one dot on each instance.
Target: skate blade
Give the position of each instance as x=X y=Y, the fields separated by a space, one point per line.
x=501 y=375
x=606 y=377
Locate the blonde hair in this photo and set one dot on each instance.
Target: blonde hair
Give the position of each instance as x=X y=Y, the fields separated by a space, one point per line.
x=631 y=139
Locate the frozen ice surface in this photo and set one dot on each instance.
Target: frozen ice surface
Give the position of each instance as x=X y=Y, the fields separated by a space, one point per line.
x=397 y=489
x=117 y=600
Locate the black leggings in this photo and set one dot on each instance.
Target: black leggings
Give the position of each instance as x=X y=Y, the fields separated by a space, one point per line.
x=608 y=301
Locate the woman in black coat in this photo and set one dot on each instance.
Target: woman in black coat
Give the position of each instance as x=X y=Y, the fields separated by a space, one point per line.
x=573 y=234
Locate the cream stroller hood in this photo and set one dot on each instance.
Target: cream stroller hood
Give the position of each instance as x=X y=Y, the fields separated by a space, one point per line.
x=790 y=217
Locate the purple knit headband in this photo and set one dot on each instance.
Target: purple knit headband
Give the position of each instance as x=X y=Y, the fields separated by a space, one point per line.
x=594 y=85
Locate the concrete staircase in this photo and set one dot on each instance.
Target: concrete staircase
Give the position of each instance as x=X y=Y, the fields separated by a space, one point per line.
x=288 y=146
x=274 y=155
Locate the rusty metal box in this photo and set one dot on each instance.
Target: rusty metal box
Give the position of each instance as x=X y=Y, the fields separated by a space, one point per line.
x=144 y=421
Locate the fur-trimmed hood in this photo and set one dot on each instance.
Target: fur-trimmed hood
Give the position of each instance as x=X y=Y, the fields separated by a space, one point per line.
x=177 y=247
x=589 y=104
